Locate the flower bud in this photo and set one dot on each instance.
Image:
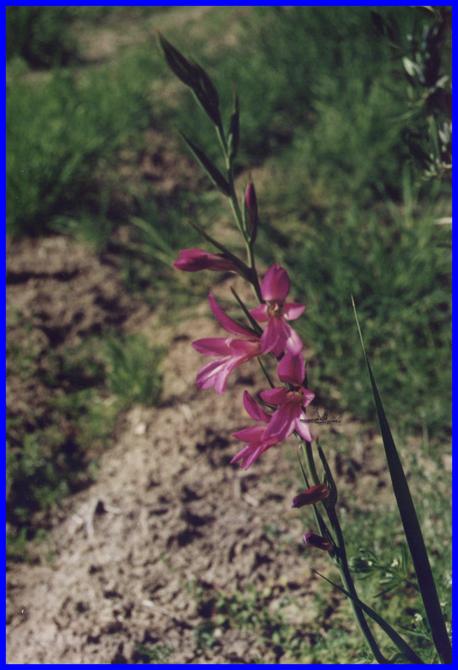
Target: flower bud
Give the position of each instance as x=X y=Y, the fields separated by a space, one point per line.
x=313 y=540
x=193 y=260
x=251 y=211
x=311 y=495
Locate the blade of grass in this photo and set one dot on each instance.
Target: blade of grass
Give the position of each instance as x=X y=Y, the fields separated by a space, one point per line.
x=401 y=644
x=410 y=522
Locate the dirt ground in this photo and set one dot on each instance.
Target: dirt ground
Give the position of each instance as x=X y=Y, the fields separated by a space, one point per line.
x=167 y=510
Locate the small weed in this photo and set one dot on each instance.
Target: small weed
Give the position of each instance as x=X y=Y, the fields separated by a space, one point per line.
x=153 y=653
x=133 y=373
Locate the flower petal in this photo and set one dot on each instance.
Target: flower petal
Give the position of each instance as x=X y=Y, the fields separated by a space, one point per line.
x=254 y=455
x=259 y=313
x=275 y=396
x=275 y=285
x=246 y=456
x=282 y=422
x=247 y=348
x=250 y=434
x=291 y=368
x=274 y=337
x=214 y=374
x=294 y=343
x=213 y=346
x=254 y=409
x=293 y=310
x=303 y=429
x=225 y=321
x=308 y=396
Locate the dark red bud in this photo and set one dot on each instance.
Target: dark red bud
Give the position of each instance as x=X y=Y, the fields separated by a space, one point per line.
x=193 y=260
x=251 y=210
x=313 y=540
x=311 y=495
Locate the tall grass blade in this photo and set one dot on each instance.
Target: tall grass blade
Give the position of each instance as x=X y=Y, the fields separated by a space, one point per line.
x=401 y=644
x=410 y=522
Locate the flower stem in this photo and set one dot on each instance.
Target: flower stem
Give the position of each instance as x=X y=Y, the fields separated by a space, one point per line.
x=341 y=560
x=237 y=212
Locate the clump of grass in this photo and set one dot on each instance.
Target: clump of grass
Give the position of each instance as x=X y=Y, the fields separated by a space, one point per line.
x=153 y=653
x=132 y=369
x=41 y=35
x=64 y=135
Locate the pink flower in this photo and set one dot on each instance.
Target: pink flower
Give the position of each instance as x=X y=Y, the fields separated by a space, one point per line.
x=278 y=335
x=230 y=352
x=289 y=415
x=193 y=260
x=253 y=435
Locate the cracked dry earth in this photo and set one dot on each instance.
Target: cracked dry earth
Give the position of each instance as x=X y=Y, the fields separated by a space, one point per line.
x=167 y=514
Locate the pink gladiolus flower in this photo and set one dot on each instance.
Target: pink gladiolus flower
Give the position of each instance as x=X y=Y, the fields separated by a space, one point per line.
x=253 y=435
x=193 y=260
x=278 y=335
x=230 y=352
x=289 y=415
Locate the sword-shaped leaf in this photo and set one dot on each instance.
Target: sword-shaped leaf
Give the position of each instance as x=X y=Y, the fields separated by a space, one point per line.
x=410 y=522
x=212 y=171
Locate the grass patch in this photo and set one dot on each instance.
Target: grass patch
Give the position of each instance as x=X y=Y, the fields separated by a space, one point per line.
x=64 y=135
x=133 y=370
x=153 y=653
x=250 y=613
x=392 y=259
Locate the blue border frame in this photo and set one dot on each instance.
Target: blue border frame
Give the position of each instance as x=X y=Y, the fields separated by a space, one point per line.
x=3 y=260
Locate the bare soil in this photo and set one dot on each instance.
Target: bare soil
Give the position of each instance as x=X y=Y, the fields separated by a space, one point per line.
x=167 y=511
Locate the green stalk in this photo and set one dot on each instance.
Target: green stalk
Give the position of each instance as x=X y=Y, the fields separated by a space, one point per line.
x=254 y=281
x=324 y=530
x=342 y=563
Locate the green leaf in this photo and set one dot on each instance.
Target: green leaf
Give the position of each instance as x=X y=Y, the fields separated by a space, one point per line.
x=410 y=522
x=404 y=648
x=206 y=93
x=194 y=76
x=212 y=171
x=179 y=65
